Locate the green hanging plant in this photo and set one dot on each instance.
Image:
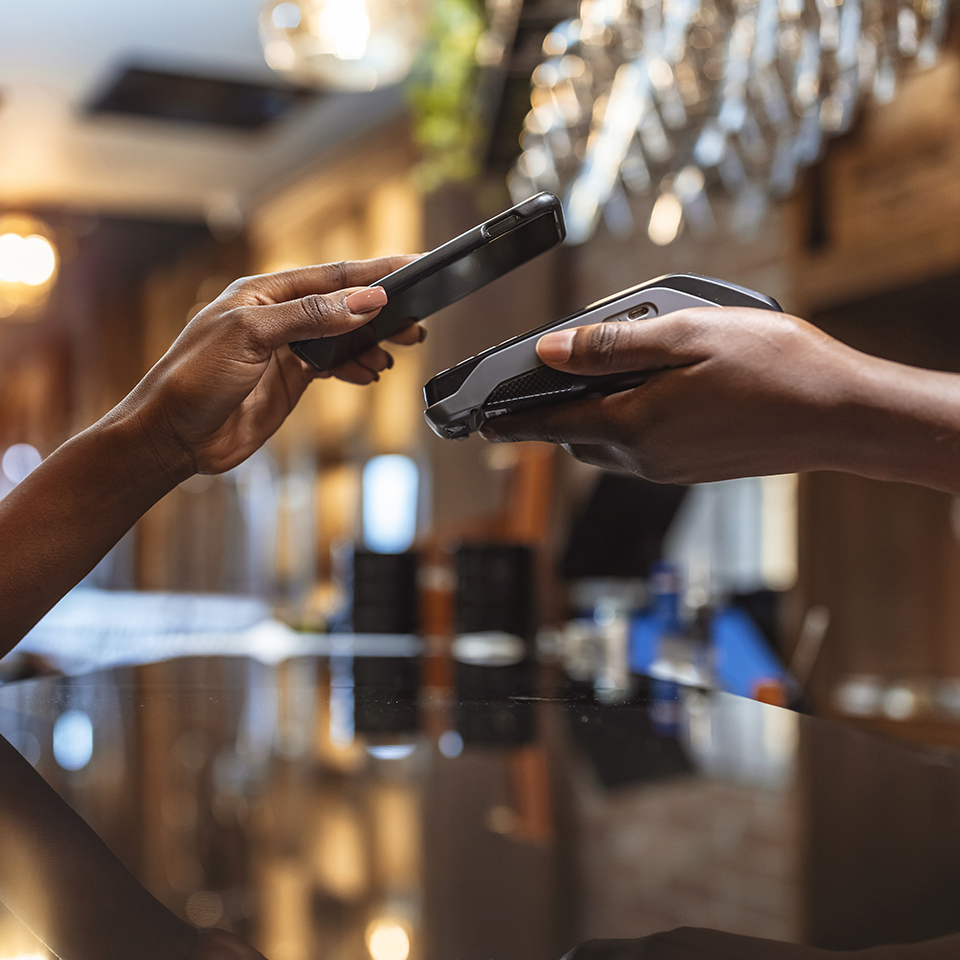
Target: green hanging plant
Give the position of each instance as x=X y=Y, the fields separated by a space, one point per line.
x=442 y=91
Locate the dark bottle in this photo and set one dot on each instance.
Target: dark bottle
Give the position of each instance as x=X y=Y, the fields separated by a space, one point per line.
x=493 y=651
x=386 y=662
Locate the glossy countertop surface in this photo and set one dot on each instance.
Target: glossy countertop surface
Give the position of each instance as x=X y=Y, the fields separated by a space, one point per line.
x=315 y=804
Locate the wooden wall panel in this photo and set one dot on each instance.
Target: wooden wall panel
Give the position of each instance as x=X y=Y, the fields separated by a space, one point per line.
x=884 y=558
x=882 y=209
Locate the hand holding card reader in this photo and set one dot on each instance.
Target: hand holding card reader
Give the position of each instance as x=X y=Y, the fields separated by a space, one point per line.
x=510 y=377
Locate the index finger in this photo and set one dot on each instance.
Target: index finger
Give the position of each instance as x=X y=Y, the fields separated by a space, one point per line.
x=322 y=278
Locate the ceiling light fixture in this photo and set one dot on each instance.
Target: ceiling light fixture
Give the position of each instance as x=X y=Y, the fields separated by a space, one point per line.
x=670 y=97
x=343 y=44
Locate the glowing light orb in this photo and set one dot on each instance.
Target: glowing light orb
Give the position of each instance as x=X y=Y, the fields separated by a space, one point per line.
x=387 y=940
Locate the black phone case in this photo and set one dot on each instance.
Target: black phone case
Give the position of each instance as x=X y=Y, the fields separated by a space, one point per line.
x=328 y=352
x=510 y=377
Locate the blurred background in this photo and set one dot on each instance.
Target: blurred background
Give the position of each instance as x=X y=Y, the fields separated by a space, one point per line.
x=805 y=149
x=151 y=154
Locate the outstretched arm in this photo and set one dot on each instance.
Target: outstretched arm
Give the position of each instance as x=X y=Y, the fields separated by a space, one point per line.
x=63 y=883
x=736 y=392
x=219 y=392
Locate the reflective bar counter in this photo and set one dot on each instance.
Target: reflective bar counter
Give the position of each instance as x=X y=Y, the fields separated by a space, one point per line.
x=339 y=806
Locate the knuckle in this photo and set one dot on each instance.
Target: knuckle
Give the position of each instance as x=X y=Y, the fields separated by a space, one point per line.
x=241 y=285
x=603 y=343
x=237 y=318
x=318 y=309
x=338 y=272
x=243 y=320
x=248 y=290
x=690 y=328
x=686 y=324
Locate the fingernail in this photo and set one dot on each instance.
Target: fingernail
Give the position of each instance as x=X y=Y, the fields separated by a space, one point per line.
x=363 y=301
x=556 y=347
x=389 y=361
x=489 y=434
x=423 y=334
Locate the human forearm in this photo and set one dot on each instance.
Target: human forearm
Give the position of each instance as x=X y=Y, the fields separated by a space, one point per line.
x=59 y=522
x=63 y=882
x=215 y=397
x=904 y=426
x=739 y=393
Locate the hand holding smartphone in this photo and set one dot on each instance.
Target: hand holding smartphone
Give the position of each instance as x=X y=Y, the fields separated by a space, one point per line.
x=445 y=275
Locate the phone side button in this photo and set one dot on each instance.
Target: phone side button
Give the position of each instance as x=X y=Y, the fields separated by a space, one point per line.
x=500 y=227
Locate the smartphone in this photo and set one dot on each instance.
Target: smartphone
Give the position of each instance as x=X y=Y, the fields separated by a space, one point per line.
x=511 y=377
x=446 y=275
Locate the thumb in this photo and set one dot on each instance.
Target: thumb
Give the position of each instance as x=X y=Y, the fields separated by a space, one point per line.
x=623 y=346
x=315 y=315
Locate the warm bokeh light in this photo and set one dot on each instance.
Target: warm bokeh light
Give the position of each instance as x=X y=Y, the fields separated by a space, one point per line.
x=204 y=908
x=344 y=28
x=30 y=260
x=345 y=44
x=340 y=854
x=28 y=265
x=10 y=256
x=665 y=219
x=387 y=940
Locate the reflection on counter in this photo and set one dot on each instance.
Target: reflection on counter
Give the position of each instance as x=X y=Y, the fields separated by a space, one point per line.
x=375 y=696
x=493 y=651
x=629 y=627
x=242 y=797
